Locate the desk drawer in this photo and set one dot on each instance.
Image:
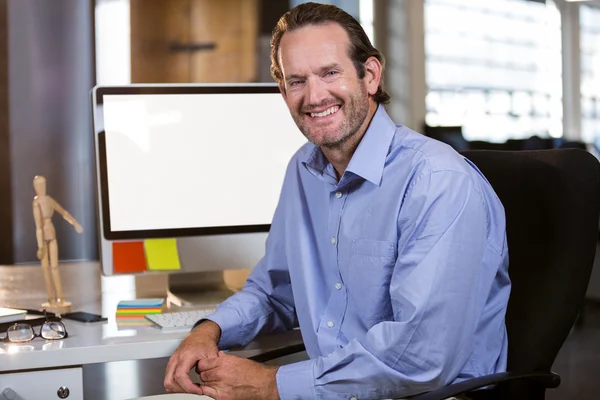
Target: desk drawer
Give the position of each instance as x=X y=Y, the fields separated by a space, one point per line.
x=48 y=384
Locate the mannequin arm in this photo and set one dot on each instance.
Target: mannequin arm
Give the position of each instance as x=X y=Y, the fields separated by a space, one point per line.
x=37 y=216
x=68 y=217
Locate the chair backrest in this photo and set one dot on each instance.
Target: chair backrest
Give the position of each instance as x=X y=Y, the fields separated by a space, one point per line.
x=552 y=204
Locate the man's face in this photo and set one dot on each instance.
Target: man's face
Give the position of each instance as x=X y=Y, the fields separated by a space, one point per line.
x=322 y=90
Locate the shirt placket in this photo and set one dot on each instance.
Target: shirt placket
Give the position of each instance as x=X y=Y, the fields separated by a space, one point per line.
x=336 y=306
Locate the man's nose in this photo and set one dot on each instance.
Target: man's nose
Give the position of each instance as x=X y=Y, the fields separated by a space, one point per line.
x=317 y=91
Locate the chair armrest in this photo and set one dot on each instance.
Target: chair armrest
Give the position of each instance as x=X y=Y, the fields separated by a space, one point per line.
x=548 y=379
x=280 y=352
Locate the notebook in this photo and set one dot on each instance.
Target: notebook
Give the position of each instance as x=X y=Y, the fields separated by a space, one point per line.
x=11 y=314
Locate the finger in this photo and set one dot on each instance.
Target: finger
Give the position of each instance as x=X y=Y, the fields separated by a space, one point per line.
x=182 y=378
x=208 y=363
x=210 y=391
x=174 y=388
x=169 y=383
x=197 y=367
x=209 y=376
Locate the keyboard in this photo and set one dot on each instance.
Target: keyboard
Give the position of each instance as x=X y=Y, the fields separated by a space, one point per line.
x=179 y=319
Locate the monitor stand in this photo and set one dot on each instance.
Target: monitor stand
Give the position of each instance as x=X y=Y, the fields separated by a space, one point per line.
x=197 y=289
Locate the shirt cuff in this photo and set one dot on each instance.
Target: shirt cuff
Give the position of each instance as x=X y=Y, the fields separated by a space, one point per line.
x=296 y=381
x=232 y=327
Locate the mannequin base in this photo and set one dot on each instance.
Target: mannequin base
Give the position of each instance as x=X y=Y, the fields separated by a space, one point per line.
x=60 y=307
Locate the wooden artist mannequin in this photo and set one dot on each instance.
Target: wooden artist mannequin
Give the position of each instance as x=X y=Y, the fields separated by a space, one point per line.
x=43 y=209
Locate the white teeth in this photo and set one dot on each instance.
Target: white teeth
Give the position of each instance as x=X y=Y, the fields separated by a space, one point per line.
x=331 y=110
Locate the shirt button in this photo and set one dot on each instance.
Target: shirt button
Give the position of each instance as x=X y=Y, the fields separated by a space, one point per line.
x=330 y=324
x=338 y=286
x=333 y=240
x=338 y=194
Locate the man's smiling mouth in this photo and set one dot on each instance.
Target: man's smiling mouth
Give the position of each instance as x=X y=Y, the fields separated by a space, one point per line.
x=329 y=111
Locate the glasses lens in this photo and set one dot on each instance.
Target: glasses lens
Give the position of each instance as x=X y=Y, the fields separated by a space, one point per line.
x=20 y=333
x=53 y=330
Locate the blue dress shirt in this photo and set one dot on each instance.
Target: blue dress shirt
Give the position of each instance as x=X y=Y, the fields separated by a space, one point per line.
x=397 y=274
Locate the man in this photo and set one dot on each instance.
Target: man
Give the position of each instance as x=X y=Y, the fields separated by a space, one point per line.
x=388 y=248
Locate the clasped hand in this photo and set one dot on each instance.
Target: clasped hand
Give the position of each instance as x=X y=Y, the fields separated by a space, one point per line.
x=223 y=376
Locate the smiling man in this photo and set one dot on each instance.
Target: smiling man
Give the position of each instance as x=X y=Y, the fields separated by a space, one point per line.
x=387 y=248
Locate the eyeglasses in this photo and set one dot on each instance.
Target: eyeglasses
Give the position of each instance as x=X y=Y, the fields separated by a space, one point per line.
x=50 y=330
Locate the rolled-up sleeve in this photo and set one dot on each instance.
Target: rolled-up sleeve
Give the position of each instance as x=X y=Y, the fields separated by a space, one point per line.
x=296 y=381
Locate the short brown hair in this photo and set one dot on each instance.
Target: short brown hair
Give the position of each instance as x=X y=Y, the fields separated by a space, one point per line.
x=360 y=48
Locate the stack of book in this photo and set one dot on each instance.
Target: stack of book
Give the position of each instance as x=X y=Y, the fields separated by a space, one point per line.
x=130 y=313
x=139 y=307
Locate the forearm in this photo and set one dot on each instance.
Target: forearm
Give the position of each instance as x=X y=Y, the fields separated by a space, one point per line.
x=248 y=313
x=69 y=218
x=64 y=213
x=363 y=373
x=209 y=329
x=37 y=216
x=39 y=235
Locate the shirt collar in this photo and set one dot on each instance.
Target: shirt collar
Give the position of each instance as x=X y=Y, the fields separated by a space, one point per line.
x=370 y=155
x=369 y=158
x=317 y=164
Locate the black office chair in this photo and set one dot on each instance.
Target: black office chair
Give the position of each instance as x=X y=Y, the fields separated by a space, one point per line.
x=552 y=204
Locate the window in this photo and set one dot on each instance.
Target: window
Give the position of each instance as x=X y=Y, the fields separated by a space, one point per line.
x=589 y=20
x=365 y=17
x=494 y=68
x=113 y=65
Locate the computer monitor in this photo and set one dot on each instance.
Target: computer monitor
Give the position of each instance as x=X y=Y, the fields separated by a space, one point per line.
x=188 y=176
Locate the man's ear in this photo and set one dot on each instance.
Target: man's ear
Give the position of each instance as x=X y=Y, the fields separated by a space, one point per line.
x=282 y=90
x=372 y=77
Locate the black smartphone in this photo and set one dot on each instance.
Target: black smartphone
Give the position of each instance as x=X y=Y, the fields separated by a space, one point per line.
x=82 y=316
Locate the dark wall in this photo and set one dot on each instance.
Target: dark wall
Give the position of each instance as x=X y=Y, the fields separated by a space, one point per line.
x=51 y=72
x=6 y=245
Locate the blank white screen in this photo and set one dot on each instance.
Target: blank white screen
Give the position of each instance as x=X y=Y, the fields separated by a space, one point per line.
x=196 y=160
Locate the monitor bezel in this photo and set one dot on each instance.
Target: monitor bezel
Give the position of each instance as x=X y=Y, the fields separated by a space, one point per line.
x=98 y=94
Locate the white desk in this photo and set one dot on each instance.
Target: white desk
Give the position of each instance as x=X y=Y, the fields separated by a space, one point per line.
x=38 y=369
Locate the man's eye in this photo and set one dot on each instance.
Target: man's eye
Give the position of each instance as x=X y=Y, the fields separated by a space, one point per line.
x=330 y=73
x=295 y=83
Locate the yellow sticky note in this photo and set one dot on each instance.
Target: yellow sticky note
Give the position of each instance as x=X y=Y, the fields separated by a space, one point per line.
x=162 y=254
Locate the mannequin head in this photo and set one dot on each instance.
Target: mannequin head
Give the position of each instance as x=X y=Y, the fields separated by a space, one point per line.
x=39 y=184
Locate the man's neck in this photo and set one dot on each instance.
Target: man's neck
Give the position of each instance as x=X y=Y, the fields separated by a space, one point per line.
x=340 y=156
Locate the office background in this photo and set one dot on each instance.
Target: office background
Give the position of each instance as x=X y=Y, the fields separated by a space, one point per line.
x=501 y=70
